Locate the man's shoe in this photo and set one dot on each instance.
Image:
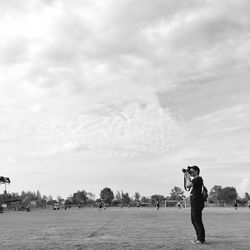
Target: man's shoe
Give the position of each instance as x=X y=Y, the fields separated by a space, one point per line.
x=193 y=241
x=196 y=242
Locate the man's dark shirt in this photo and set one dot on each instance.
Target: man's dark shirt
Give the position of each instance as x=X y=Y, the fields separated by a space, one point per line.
x=196 y=190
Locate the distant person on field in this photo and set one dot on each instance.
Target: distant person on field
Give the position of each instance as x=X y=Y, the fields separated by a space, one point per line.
x=248 y=203
x=138 y=204
x=100 y=205
x=28 y=208
x=197 y=201
x=235 y=204
x=157 y=204
x=179 y=205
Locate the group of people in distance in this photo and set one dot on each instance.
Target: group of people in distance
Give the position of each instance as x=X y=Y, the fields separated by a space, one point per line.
x=101 y=204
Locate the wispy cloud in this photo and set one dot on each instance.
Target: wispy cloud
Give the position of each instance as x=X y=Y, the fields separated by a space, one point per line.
x=133 y=128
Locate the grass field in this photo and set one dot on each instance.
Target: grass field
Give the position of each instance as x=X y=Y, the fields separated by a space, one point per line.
x=126 y=228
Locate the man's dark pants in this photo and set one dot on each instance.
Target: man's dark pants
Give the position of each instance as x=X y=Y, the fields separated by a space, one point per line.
x=196 y=218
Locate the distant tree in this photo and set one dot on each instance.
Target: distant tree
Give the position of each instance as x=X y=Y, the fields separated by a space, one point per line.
x=145 y=199
x=43 y=201
x=26 y=200
x=32 y=195
x=80 y=197
x=68 y=201
x=39 y=201
x=177 y=194
x=8 y=196
x=155 y=197
x=45 y=197
x=215 y=193
x=38 y=195
x=50 y=198
x=107 y=195
x=51 y=202
x=137 y=196
x=91 y=199
x=125 y=198
x=60 y=200
x=118 y=197
x=15 y=194
x=228 y=194
x=247 y=196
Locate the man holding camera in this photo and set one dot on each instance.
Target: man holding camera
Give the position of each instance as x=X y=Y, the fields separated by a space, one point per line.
x=196 y=199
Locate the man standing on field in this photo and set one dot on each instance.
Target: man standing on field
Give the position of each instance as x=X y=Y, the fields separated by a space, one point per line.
x=157 y=204
x=197 y=202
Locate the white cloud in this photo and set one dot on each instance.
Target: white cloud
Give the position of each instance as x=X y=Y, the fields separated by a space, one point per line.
x=85 y=43
x=133 y=129
x=220 y=138
x=226 y=120
x=11 y=159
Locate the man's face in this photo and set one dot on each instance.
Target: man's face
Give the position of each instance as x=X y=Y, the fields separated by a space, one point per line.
x=193 y=172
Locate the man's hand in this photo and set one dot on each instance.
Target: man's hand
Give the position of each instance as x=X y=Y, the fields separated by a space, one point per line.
x=188 y=180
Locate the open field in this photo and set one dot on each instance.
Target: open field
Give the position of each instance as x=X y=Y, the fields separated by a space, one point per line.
x=127 y=228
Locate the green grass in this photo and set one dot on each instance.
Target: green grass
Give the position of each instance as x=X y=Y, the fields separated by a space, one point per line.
x=115 y=228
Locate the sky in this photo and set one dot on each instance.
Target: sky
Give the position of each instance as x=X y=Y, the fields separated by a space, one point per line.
x=124 y=94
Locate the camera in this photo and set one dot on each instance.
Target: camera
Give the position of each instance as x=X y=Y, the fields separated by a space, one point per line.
x=187 y=170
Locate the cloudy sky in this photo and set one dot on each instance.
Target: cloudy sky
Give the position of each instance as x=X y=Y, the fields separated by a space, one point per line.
x=124 y=94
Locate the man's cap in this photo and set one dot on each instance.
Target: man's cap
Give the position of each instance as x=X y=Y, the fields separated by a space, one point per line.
x=195 y=168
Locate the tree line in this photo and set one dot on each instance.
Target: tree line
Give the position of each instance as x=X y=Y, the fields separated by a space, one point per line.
x=217 y=196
